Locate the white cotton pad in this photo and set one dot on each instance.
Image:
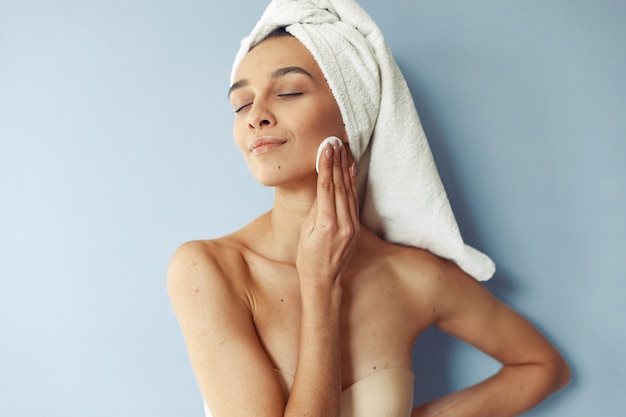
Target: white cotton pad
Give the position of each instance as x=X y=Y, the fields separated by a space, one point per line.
x=331 y=140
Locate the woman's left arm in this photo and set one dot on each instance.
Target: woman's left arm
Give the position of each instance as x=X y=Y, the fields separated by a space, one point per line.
x=531 y=370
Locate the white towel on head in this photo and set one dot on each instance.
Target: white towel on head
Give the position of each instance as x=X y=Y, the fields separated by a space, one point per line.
x=402 y=197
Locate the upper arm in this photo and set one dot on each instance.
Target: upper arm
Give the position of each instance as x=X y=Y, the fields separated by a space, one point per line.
x=468 y=311
x=232 y=370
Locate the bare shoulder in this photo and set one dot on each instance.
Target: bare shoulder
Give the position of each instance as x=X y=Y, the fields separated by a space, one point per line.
x=455 y=296
x=425 y=272
x=217 y=254
x=202 y=264
x=434 y=286
x=414 y=277
x=205 y=277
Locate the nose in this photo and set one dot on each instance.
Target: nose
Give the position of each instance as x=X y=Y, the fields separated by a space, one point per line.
x=260 y=115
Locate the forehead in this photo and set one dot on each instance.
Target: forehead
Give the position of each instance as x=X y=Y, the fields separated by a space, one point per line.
x=277 y=52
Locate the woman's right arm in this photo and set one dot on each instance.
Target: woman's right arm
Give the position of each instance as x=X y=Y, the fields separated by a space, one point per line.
x=233 y=372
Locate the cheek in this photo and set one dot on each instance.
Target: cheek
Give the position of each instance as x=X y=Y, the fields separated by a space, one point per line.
x=333 y=119
x=326 y=119
x=335 y=124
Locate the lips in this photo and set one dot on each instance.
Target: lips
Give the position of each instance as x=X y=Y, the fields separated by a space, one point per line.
x=265 y=144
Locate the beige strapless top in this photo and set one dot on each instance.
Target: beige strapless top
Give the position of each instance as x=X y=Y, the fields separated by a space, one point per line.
x=386 y=393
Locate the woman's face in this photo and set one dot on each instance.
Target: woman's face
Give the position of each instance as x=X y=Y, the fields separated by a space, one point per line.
x=283 y=110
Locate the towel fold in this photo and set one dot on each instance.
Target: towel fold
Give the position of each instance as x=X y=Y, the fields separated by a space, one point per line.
x=402 y=197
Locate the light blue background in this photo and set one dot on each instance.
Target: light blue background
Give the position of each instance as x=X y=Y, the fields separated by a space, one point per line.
x=115 y=147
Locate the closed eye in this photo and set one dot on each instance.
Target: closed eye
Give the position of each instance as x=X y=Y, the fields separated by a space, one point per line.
x=294 y=94
x=282 y=95
x=240 y=108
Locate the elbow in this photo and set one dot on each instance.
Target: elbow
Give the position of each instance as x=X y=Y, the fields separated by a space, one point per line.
x=551 y=375
x=562 y=374
x=556 y=374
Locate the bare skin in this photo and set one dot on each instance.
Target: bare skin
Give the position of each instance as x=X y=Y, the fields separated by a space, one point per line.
x=308 y=290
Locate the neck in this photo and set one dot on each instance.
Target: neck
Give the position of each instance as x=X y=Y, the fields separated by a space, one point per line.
x=277 y=232
x=284 y=221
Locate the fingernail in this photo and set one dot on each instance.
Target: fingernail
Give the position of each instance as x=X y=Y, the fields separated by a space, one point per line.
x=328 y=150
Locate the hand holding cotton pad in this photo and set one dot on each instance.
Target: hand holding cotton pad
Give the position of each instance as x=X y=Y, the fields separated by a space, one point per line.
x=331 y=140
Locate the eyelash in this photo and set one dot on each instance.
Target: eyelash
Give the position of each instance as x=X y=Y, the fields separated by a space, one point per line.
x=242 y=107
x=279 y=95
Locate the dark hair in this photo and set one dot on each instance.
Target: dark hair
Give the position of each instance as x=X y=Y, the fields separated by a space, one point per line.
x=278 y=32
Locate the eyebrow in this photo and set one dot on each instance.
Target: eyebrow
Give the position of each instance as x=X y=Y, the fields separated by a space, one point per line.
x=280 y=72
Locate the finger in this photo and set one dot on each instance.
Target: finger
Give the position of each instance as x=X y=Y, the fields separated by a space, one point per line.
x=355 y=190
x=341 y=178
x=347 y=211
x=351 y=193
x=326 y=214
x=354 y=196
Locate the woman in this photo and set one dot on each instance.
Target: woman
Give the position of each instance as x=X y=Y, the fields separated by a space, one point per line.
x=305 y=311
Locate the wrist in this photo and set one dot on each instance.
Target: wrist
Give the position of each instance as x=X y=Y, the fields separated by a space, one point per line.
x=320 y=299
